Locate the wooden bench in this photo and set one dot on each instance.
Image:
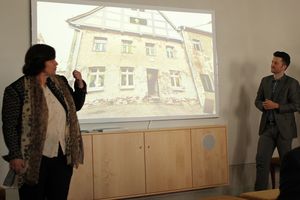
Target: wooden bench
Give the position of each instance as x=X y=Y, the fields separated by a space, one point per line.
x=222 y=198
x=275 y=163
x=261 y=195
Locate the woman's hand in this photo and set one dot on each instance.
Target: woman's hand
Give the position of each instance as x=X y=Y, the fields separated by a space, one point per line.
x=18 y=165
x=78 y=78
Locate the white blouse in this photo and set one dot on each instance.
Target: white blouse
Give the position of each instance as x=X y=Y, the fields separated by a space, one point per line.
x=56 y=129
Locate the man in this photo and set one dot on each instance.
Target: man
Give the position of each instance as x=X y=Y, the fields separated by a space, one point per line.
x=290 y=176
x=278 y=99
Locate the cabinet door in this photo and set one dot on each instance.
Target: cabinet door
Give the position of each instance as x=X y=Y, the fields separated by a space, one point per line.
x=209 y=157
x=168 y=160
x=119 y=166
x=81 y=187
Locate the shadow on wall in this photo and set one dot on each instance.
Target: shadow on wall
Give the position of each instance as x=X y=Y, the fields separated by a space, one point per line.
x=243 y=94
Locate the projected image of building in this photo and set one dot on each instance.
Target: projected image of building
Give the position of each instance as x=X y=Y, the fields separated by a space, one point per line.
x=200 y=55
x=140 y=57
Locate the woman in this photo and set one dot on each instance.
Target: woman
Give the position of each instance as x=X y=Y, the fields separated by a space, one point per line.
x=40 y=127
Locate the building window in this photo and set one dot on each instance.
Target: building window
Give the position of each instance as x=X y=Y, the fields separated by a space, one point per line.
x=197 y=45
x=140 y=21
x=127 y=46
x=170 y=51
x=127 y=77
x=175 y=79
x=150 y=49
x=96 y=78
x=99 y=44
x=138 y=9
x=206 y=82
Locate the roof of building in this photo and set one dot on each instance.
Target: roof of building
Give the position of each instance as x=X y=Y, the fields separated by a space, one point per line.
x=126 y=20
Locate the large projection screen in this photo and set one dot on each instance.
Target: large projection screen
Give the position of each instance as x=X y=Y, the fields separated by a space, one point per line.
x=140 y=63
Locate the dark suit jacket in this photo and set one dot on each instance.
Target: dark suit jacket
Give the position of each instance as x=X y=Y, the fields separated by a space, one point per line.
x=287 y=95
x=290 y=176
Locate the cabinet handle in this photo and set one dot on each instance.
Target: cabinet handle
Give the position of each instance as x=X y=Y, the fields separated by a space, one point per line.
x=148 y=146
x=140 y=147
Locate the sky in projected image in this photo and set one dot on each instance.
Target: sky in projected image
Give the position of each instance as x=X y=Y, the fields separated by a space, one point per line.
x=138 y=63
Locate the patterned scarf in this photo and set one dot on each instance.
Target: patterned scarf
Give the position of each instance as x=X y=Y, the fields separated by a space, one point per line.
x=34 y=126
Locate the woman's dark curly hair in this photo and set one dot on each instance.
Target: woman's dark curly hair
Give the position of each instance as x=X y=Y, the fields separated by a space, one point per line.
x=36 y=57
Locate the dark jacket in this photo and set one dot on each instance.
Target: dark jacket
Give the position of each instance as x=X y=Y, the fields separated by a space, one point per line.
x=13 y=100
x=287 y=95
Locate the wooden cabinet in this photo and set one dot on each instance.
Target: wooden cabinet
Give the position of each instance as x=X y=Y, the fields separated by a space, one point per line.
x=119 y=166
x=168 y=160
x=209 y=157
x=81 y=186
x=129 y=164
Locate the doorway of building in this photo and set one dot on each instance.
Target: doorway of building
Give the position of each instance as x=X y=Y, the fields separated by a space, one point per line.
x=152 y=80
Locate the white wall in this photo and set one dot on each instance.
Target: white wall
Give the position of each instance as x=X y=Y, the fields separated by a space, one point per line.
x=14 y=40
x=247 y=33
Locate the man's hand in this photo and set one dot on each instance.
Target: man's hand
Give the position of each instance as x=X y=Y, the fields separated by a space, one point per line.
x=270 y=105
